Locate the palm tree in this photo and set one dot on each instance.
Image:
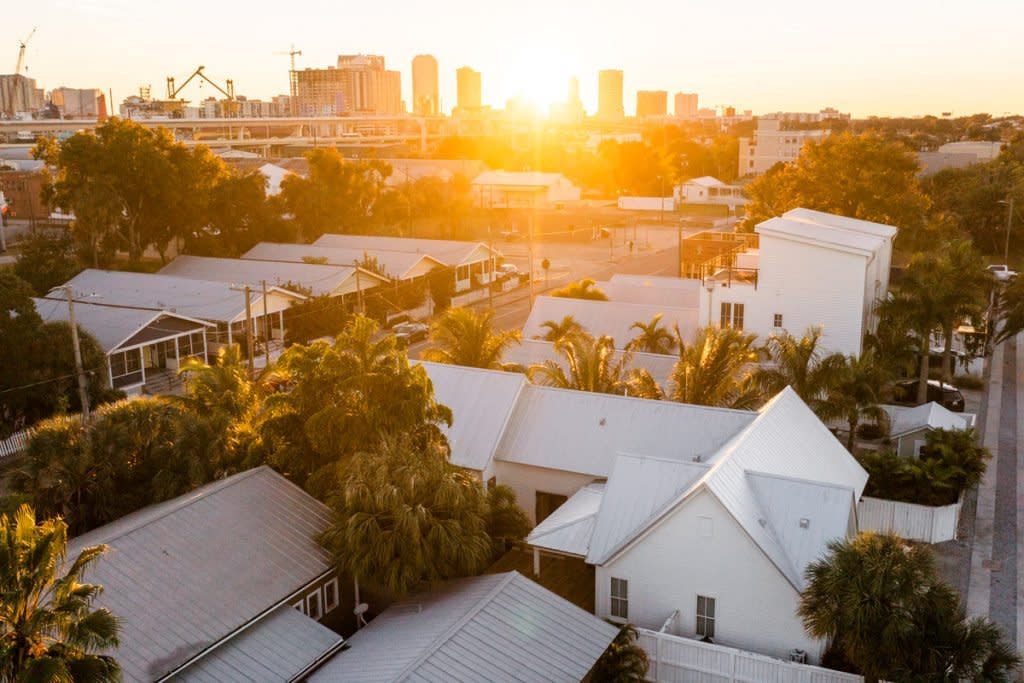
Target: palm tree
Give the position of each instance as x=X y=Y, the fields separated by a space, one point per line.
x=795 y=363
x=965 y=283
x=557 y=330
x=590 y=364
x=852 y=394
x=653 y=337
x=403 y=516
x=624 y=661
x=224 y=388
x=581 y=289
x=715 y=370
x=49 y=630
x=1010 y=310
x=462 y=336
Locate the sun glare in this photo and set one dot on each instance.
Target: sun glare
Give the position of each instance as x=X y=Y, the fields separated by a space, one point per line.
x=539 y=78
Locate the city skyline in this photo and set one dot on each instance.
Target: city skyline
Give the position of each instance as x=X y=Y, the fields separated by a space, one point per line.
x=887 y=60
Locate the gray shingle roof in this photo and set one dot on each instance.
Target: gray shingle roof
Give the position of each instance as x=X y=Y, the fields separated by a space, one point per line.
x=500 y=627
x=184 y=574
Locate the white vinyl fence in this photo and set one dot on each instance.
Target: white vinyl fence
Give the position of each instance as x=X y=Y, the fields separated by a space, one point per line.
x=910 y=521
x=674 y=659
x=14 y=444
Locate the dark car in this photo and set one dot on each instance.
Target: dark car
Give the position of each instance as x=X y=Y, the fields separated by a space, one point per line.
x=410 y=333
x=946 y=395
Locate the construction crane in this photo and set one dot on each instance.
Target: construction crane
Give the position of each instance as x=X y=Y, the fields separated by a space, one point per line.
x=293 y=79
x=292 y=53
x=172 y=92
x=22 y=44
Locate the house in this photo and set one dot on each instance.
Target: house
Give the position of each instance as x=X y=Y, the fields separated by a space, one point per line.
x=226 y=583
x=772 y=145
x=909 y=426
x=654 y=290
x=411 y=170
x=134 y=340
x=497 y=627
x=536 y=352
x=397 y=265
x=273 y=176
x=612 y=318
x=715 y=547
x=470 y=260
x=220 y=303
x=345 y=282
x=523 y=190
x=709 y=190
x=811 y=269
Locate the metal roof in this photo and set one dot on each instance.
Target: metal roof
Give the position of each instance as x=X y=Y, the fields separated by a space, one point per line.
x=535 y=351
x=579 y=431
x=115 y=327
x=481 y=403
x=653 y=290
x=707 y=181
x=184 y=574
x=569 y=529
x=519 y=178
x=498 y=627
x=931 y=415
x=820 y=234
x=319 y=279
x=451 y=252
x=204 y=299
x=279 y=647
x=612 y=318
x=844 y=222
x=396 y=264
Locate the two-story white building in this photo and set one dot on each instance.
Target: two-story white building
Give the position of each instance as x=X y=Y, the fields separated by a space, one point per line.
x=772 y=145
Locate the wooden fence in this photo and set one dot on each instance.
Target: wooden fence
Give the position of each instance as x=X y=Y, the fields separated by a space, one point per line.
x=674 y=659
x=912 y=522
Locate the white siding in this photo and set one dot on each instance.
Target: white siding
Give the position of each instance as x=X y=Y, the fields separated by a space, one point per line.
x=526 y=480
x=755 y=604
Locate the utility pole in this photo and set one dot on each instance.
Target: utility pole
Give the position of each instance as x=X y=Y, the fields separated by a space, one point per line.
x=679 y=241
x=359 y=292
x=248 y=323
x=532 y=295
x=1009 y=223
x=490 y=256
x=83 y=388
x=266 y=326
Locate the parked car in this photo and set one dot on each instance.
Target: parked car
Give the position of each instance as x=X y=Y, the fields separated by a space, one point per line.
x=946 y=395
x=507 y=269
x=410 y=333
x=1002 y=272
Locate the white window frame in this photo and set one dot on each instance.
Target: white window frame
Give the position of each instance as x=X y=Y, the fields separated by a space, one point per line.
x=618 y=604
x=777 y=321
x=329 y=605
x=300 y=606
x=703 y=620
x=319 y=611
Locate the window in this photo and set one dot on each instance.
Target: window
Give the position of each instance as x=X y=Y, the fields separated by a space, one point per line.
x=330 y=595
x=731 y=315
x=778 y=321
x=705 y=617
x=620 y=598
x=313 y=605
x=546 y=504
x=300 y=606
x=462 y=273
x=737 y=316
x=726 y=315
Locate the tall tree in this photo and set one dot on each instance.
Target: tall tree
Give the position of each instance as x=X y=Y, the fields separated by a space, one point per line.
x=591 y=364
x=49 y=628
x=794 y=362
x=558 y=329
x=652 y=337
x=462 y=336
x=46 y=261
x=715 y=370
x=1010 y=310
x=965 y=283
x=852 y=393
x=581 y=289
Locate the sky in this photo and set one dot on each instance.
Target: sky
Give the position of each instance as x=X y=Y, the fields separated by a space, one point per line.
x=893 y=57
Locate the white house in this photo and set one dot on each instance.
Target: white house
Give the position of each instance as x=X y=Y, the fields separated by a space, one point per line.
x=812 y=268
x=909 y=425
x=397 y=265
x=523 y=190
x=273 y=175
x=709 y=190
x=657 y=290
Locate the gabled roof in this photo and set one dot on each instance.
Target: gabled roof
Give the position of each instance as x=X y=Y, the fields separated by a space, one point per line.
x=203 y=299
x=519 y=178
x=569 y=529
x=674 y=292
x=280 y=647
x=931 y=415
x=185 y=574
x=274 y=174
x=579 y=431
x=481 y=403
x=320 y=279
x=706 y=181
x=844 y=222
x=536 y=351
x=115 y=327
x=396 y=264
x=498 y=627
x=451 y=252
x=839 y=232
x=613 y=318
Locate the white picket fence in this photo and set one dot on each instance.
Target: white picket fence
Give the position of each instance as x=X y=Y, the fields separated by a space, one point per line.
x=674 y=659
x=910 y=521
x=14 y=444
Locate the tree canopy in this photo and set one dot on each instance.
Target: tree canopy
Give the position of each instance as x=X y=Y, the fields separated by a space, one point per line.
x=463 y=336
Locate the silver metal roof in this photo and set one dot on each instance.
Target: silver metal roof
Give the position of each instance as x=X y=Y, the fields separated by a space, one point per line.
x=931 y=415
x=451 y=252
x=500 y=627
x=536 y=351
x=815 y=227
x=184 y=574
x=845 y=222
x=579 y=431
x=319 y=279
x=653 y=290
x=279 y=647
x=481 y=403
x=613 y=318
x=397 y=264
x=569 y=529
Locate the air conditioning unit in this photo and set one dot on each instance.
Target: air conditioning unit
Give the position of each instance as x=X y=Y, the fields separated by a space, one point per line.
x=797 y=655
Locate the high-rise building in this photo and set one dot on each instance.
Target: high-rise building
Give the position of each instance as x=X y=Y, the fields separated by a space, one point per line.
x=651 y=103
x=609 y=95
x=358 y=85
x=425 y=98
x=686 y=105
x=468 y=87
x=19 y=94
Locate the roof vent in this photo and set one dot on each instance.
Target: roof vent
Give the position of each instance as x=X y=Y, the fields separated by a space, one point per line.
x=804 y=522
x=697 y=458
x=601 y=422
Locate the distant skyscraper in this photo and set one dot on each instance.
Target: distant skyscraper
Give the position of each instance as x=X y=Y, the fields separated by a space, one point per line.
x=686 y=105
x=609 y=95
x=651 y=103
x=425 y=98
x=468 y=88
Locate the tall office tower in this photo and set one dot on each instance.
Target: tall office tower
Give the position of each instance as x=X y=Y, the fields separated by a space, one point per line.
x=686 y=105
x=651 y=103
x=425 y=98
x=609 y=95
x=468 y=88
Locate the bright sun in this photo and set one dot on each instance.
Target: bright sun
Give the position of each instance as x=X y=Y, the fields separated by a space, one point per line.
x=541 y=78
